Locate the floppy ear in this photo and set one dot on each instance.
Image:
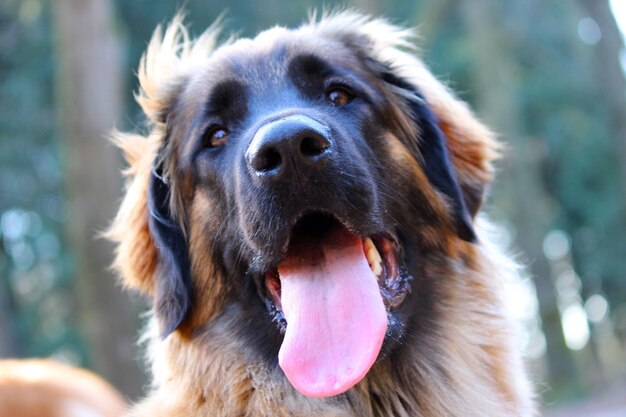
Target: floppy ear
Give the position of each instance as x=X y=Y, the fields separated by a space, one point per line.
x=151 y=254
x=433 y=149
x=471 y=146
x=173 y=287
x=432 y=152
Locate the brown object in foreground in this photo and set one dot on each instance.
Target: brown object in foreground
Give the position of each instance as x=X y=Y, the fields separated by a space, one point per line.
x=44 y=388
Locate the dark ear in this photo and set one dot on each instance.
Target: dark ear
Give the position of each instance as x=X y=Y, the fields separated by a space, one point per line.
x=173 y=289
x=433 y=154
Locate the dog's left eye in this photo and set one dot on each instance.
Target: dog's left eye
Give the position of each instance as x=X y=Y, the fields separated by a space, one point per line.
x=218 y=136
x=339 y=96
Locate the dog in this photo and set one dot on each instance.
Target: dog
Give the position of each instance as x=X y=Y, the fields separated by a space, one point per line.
x=303 y=211
x=45 y=388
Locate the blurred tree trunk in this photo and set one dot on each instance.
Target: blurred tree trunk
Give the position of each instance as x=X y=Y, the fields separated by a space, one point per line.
x=609 y=70
x=89 y=87
x=519 y=181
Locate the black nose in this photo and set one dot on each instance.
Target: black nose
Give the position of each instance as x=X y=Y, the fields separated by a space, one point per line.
x=295 y=142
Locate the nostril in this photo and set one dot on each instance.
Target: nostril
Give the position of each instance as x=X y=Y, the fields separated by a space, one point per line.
x=312 y=146
x=267 y=160
x=283 y=146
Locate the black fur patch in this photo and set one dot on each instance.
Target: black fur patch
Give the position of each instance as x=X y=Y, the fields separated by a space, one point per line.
x=173 y=295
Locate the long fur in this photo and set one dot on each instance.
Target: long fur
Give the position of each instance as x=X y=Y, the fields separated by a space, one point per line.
x=477 y=371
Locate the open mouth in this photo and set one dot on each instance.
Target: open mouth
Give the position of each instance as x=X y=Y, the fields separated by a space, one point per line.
x=330 y=297
x=380 y=252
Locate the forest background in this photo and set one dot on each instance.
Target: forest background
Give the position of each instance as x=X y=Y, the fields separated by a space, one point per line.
x=547 y=75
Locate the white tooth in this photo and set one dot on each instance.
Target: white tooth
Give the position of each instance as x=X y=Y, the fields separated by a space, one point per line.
x=373 y=257
x=377 y=269
x=371 y=252
x=367 y=248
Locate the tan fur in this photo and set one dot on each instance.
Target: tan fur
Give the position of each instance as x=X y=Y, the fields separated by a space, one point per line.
x=432 y=235
x=475 y=372
x=136 y=256
x=43 y=388
x=206 y=288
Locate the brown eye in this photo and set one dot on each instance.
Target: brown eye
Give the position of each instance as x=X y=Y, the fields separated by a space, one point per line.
x=217 y=137
x=338 y=96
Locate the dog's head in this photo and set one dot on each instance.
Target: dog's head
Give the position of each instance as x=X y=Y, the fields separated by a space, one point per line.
x=319 y=179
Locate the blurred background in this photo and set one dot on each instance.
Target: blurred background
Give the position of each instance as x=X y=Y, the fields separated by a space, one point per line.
x=547 y=75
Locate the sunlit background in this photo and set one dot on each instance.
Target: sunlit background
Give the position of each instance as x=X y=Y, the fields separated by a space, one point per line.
x=547 y=75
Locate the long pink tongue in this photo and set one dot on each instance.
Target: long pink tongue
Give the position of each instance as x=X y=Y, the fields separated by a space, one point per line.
x=336 y=319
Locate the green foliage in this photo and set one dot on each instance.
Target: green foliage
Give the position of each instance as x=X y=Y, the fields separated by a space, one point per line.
x=36 y=268
x=563 y=128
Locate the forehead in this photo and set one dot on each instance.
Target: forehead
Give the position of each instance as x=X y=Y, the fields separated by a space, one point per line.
x=264 y=62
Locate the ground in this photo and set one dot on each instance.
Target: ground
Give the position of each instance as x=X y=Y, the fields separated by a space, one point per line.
x=610 y=403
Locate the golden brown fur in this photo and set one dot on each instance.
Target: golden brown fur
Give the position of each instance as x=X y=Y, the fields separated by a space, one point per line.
x=43 y=388
x=476 y=370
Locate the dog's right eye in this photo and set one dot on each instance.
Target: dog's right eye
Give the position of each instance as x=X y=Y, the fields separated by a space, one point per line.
x=339 y=96
x=216 y=137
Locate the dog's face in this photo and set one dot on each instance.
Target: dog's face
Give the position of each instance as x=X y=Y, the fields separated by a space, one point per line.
x=306 y=178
